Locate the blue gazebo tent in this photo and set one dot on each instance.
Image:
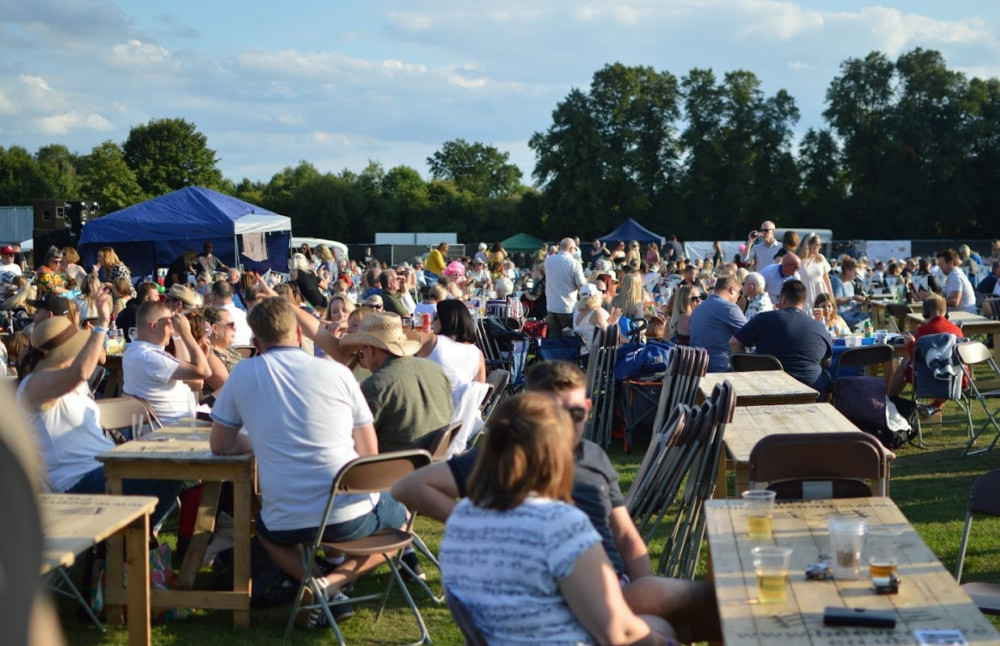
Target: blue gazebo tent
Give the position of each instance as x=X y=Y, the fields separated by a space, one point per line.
x=632 y=230
x=155 y=232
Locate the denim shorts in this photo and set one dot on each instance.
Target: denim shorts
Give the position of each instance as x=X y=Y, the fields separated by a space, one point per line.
x=387 y=514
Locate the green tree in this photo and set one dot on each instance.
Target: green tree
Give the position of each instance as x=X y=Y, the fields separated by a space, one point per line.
x=57 y=166
x=481 y=170
x=21 y=180
x=170 y=154
x=106 y=179
x=822 y=191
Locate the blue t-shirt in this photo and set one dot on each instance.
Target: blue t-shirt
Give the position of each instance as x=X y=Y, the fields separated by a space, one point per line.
x=800 y=342
x=712 y=324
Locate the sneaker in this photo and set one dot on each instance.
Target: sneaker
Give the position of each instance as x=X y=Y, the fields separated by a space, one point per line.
x=927 y=412
x=410 y=560
x=316 y=617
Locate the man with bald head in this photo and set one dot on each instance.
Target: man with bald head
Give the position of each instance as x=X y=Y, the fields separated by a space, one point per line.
x=777 y=273
x=563 y=277
x=762 y=246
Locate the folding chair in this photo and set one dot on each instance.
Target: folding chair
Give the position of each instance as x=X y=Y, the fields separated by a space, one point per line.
x=857 y=361
x=364 y=475
x=971 y=355
x=896 y=319
x=119 y=413
x=787 y=463
x=982 y=500
x=497 y=380
x=947 y=385
x=745 y=362
x=470 y=631
x=247 y=351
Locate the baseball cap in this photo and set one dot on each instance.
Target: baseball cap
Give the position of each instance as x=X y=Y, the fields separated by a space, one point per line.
x=7 y=249
x=58 y=305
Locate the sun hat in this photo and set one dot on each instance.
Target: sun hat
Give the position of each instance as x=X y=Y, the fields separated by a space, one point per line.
x=454 y=268
x=59 y=338
x=587 y=290
x=58 y=305
x=385 y=331
x=183 y=293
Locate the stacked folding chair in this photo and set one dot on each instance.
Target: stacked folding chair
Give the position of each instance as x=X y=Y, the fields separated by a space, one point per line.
x=684 y=371
x=503 y=349
x=677 y=475
x=601 y=386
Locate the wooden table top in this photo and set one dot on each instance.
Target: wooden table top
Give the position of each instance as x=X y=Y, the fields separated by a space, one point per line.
x=753 y=423
x=760 y=387
x=72 y=523
x=175 y=443
x=971 y=322
x=928 y=598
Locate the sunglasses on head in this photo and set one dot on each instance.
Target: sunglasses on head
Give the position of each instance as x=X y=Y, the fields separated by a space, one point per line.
x=576 y=413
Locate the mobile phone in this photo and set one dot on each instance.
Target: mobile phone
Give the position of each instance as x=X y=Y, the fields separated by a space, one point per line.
x=859 y=617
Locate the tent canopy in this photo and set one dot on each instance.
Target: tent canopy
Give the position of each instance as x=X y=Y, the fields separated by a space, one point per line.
x=155 y=232
x=632 y=230
x=522 y=242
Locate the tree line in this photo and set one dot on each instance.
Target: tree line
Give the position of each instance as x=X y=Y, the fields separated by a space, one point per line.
x=909 y=149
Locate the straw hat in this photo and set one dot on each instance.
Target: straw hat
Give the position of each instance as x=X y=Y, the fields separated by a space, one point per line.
x=60 y=339
x=184 y=294
x=385 y=331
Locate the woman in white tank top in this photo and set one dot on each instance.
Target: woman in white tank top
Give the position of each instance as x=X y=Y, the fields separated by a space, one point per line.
x=453 y=347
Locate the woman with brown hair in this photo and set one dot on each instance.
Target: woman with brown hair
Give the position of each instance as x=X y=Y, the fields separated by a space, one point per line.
x=563 y=589
x=684 y=300
x=113 y=267
x=71 y=266
x=815 y=270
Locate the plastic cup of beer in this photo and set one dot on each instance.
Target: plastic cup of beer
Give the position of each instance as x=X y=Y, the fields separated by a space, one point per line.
x=847 y=539
x=770 y=565
x=759 y=507
x=883 y=551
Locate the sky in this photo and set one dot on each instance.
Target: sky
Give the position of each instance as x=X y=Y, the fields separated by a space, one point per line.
x=340 y=84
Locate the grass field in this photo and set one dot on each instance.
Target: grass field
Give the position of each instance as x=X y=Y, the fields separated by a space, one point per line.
x=929 y=485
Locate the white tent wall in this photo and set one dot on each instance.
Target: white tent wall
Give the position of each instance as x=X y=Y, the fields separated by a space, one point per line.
x=703 y=249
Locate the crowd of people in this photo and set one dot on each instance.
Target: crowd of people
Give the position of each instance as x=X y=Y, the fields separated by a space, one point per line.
x=339 y=359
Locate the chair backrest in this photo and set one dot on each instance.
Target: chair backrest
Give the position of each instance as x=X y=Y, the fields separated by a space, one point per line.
x=865 y=356
x=897 y=316
x=973 y=352
x=497 y=380
x=117 y=412
x=983 y=499
x=807 y=461
x=745 y=362
x=438 y=447
x=377 y=473
x=473 y=636
x=941 y=350
x=246 y=351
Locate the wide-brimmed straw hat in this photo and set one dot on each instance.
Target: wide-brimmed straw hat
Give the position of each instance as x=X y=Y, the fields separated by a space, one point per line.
x=385 y=331
x=183 y=293
x=59 y=339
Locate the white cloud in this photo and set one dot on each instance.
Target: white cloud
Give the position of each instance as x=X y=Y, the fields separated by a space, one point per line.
x=6 y=105
x=799 y=65
x=140 y=54
x=467 y=83
x=62 y=124
x=34 y=82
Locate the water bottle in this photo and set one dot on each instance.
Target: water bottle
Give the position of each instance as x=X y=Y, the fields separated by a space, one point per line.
x=868 y=329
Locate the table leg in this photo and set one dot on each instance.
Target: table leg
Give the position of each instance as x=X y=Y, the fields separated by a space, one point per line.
x=113 y=557
x=204 y=525
x=742 y=478
x=721 y=479
x=242 y=498
x=137 y=594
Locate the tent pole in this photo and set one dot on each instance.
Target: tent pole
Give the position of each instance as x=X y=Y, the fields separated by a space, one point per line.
x=236 y=251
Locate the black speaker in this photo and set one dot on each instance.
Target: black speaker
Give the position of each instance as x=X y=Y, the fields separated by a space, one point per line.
x=51 y=215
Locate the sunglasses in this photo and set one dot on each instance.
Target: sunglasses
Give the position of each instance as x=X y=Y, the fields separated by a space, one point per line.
x=231 y=325
x=375 y=306
x=577 y=413
x=695 y=299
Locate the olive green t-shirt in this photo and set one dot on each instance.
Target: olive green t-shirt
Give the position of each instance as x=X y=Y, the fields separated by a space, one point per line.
x=409 y=397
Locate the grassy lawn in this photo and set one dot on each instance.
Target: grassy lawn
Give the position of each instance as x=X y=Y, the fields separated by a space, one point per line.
x=930 y=485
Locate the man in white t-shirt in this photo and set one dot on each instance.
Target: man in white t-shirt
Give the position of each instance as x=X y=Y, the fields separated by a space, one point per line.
x=762 y=246
x=305 y=418
x=958 y=291
x=7 y=264
x=222 y=297
x=153 y=374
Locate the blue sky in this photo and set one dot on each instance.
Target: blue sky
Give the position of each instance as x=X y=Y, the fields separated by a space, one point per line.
x=340 y=83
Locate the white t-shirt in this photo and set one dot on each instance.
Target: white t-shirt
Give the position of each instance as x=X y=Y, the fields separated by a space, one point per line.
x=69 y=436
x=147 y=372
x=774 y=279
x=243 y=331
x=957 y=281
x=460 y=362
x=300 y=413
x=13 y=268
x=505 y=566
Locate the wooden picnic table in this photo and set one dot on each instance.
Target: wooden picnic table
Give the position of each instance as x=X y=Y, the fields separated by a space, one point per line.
x=760 y=387
x=753 y=423
x=73 y=523
x=928 y=597
x=176 y=453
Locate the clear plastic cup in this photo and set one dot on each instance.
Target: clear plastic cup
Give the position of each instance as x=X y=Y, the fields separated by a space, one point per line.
x=882 y=546
x=758 y=505
x=847 y=539
x=770 y=565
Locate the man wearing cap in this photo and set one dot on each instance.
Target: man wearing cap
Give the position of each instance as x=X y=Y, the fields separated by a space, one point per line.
x=305 y=418
x=7 y=264
x=47 y=307
x=409 y=396
x=181 y=298
x=152 y=374
x=479 y=275
x=563 y=277
x=482 y=255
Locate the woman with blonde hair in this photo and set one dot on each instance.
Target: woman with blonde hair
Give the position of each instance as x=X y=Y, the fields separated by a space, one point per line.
x=815 y=270
x=337 y=314
x=633 y=258
x=16 y=301
x=564 y=589
x=652 y=254
x=90 y=289
x=113 y=267
x=590 y=315
x=631 y=298
x=309 y=284
x=220 y=331
x=74 y=272
x=685 y=299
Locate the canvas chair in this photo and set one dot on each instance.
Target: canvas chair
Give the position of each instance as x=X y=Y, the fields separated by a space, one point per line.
x=927 y=386
x=466 y=625
x=364 y=475
x=971 y=355
x=119 y=413
x=786 y=463
x=746 y=362
x=983 y=501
